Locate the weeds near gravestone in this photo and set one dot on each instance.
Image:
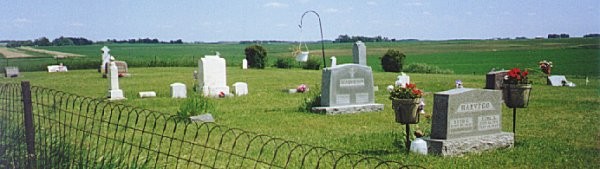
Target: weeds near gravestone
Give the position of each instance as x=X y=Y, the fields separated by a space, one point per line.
x=313 y=99
x=193 y=106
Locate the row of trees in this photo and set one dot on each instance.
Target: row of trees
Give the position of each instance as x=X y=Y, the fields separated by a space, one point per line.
x=67 y=41
x=145 y=40
x=43 y=41
x=346 y=38
x=562 y=35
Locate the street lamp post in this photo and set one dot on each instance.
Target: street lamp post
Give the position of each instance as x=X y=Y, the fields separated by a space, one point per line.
x=321 y=28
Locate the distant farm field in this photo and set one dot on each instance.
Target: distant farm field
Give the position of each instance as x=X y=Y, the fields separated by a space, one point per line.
x=575 y=56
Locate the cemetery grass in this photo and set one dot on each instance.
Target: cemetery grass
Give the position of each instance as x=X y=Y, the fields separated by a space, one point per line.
x=571 y=57
x=559 y=129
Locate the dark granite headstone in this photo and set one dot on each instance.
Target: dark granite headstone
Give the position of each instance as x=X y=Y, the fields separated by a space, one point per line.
x=467 y=120
x=494 y=80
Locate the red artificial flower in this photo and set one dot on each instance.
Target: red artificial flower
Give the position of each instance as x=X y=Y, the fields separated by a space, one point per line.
x=411 y=85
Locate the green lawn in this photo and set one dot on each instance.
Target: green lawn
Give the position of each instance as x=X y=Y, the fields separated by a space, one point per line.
x=559 y=129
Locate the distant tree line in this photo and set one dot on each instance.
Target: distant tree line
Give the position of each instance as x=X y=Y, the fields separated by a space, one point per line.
x=592 y=35
x=145 y=40
x=346 y=38
x=562 y=35
x=69 y=41
x=43 y=41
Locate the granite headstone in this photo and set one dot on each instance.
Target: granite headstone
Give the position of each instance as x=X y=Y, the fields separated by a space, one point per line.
x=467 y=120
x=359 y=53
x=347 y=88
x=495 y=79
x=178 y=90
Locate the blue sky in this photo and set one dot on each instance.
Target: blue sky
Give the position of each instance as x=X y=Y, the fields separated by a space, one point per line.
x=229 y=20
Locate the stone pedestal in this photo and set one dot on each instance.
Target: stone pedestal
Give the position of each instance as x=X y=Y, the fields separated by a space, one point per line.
x=473 y=144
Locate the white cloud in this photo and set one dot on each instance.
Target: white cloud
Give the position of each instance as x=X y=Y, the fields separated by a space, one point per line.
x=372 y=3
x=332 y=10
x=276 y=5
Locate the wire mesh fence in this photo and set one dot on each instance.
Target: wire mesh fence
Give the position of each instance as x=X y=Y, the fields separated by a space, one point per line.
x=80 y=132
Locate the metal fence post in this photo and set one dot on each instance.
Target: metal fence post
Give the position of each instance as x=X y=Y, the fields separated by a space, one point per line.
x=28 y=121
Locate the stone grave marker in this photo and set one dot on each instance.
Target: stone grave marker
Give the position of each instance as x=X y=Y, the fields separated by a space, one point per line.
x=212 y=76
x=178 y=90
x=467 y=120
x=114 y=92
x=402 y=79
x=359 y=53
x=556 y=80
x=105 y=59
x=333 y=61
x=11 y=72
x=495 y=79
x=57 y=68
x=240 y=88
x=147 y=94
x=244 y=64
x=347 y=88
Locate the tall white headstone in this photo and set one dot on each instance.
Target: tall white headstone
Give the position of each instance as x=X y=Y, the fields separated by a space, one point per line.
x=114 y=92
x=105 y=58
x=333 y=61
x=240 y=88
x=359 y=52
x=244 y=64
x=212 y=76
x=403 y=79
x=178 y=90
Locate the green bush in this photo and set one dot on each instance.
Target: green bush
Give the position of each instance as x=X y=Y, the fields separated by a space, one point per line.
x=392 y=61
x=312 y=64
x=284 y=63
x=425 y=68
x=256 y=56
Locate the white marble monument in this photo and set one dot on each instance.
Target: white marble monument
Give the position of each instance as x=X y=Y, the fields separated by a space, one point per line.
x=240 y=88
x=114 y=93
x=244 y=64
x=178 y=90
x=212 y=76
x=333 y=61
x=105 y=58
x=402 y=80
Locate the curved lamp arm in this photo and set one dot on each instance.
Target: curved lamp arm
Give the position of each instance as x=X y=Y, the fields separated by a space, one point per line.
x=321 y=28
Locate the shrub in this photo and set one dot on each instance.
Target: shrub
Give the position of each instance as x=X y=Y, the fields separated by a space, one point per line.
x=256 y=56
x=284 y=63
x=312 y=64
x=392 y=61
x=313 y=99
x=425 y=68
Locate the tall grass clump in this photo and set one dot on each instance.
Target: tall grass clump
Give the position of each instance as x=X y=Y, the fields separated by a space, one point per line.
x=425 y=68
x=193 y=106
x=284 y=63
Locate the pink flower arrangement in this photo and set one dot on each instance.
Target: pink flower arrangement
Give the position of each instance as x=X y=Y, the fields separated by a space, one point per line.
x=302 y=88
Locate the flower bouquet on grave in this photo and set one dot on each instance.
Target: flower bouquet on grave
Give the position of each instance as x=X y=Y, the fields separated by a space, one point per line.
x=546 y=67
x=405 y=102
x=516 y=88
x=302 y=88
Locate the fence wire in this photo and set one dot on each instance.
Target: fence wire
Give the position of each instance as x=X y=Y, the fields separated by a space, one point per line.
x=80 y=132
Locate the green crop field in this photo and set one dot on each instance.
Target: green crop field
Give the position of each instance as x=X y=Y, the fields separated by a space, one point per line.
x=574 y=56
x=559 y=129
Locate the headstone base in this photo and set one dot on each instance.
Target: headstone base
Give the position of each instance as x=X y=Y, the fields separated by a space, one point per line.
x=116 y=94
x=348 y=109
x=474 y=144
